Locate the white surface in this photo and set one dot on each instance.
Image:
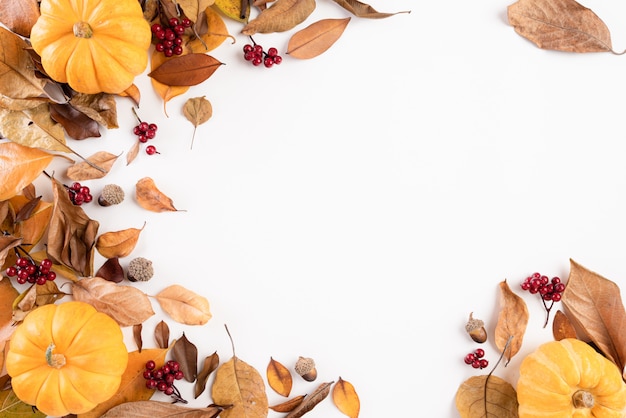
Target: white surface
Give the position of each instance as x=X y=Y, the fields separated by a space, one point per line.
x=355 y=208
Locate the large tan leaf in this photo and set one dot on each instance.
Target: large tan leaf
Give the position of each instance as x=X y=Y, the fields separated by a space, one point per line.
x=17 y=78
x=486 y=396
x=183 y=305
x=240 y=385
x=20 y=166
x=19 y=15
x=512 y=322
x=316 y=38
x=33 y=127
x=283 y=15
x=126 y=304
x=562 y=25
x=594 y=304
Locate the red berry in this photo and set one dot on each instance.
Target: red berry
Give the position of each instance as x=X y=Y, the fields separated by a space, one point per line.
x=278 y=59
x=483 y=363
x=150 y=365
x=151 y=150
x=470 y=358
x=272 y=52
x=156 y=27
x=186 y=22
x=480 y=353
x=174 y=21
x=51 y=276
x=153 y=127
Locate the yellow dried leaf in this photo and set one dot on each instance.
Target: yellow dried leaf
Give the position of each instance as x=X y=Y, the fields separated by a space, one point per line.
x=151 y=198
x=346 y=399
x=184 y=306
x=20 y=166
x=240 y=385
x=279 y=378
x=118 y=243
x=85 y=171
x=316 y=38
x=33 y=127
x=281 y=16
x=512 y=322
x=486 y=396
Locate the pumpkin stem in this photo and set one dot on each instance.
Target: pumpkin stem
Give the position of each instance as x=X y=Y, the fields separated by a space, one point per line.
x=582 y=399
x=82 y=30
x=54 y=360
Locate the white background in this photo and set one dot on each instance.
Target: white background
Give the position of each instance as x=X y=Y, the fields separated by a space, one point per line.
x=356 y=207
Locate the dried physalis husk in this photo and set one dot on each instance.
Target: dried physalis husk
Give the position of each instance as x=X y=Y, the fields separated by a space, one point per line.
x=476 y=329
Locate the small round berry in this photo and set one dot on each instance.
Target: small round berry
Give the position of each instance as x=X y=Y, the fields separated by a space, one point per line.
x=168 y=52
x=476 y=364
x=22 y=262
x=179 y=29
x=177 y=50
x=470 y=358
x=179 y=375
x=169 y=379
x=76 y=186
x=11 y=271
x=159 y=48
x=248 y=48
x=480 y=353
x=160 y=34
x=151 y=150
x=174 y=21
x=170 y=35
x=272 y=52
x=161 y=385
x=186 y=22
x=142 y=138
x=483 y=363
x=258 y=49
x=143 y=126
x=256 y=61
x=151 y=384
x=556 y=297
x=150 y=365
x=156 y=27
x=41 y=280
x=153 y=127
x=51 y=276
x=278 y=59
x=168 y=390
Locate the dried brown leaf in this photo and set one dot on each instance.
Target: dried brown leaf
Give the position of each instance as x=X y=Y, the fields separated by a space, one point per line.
x=279 y=377
x=186 y=354
x=165 y=91
x=288 y=405
x=85 y=171
x=31 y=220
x=19 y=167
x=594 y=304
x=283 y=15
x=486 y=396
x=562 y=327
x=183 y=305
x=209 y=365
x=346 y=399
x=111 y=270
x=185 y=70
x=100 y=107
x=311 y=401
x=133 y=152
x=7 y=244
x=562 y=25
x=157 y=409
x=512 y=322
x=126 y=304
x=17 y=78
x=77 y=125
x=361 y=9
x=19 y=15
x=316 y=38
x=137 y=336
x=118 y=243
x=33 y=127
x=162 y=335
x=212 y=30
x=197 y=110
x=151 y=198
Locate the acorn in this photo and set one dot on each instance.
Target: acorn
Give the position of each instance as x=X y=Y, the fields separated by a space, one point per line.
x=112 y=194
x=476 y=329
x=140 y=270
x=305 y=367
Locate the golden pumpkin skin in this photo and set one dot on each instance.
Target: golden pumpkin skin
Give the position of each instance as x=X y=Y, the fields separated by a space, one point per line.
x=110 y=50
x=94 y=352
x=558 y=371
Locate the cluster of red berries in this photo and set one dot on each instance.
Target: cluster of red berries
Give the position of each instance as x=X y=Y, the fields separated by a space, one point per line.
x=257 y=56
x=549 y=289
x=79 y=194
x=163 y=378
x=146 y=131
x=476 y=359
x=169 y=39
x=25 y=270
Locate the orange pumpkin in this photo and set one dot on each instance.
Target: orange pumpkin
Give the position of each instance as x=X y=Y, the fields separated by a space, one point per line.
x=66 y=359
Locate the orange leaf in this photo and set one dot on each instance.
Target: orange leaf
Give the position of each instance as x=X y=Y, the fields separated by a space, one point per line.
x=20 y=166
x=346 y=398
x=562 y=327
x=316 y=38
x=281 y=16
x=35 y=225
x=151 y=198
x=118 y=243
x=279 y=377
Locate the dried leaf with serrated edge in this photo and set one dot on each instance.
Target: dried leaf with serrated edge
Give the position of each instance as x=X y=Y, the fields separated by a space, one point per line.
x=20 y=166
x=157 y=409
x=197 y=110
x=137 y=336
x=562 y=327
x=316 y=38
x=562 y=25
x=151 y=198
x=283 y=15
x=209 y=365
x=512 y=322
x=126 y=304
x=279 y=377
x=85 y=171
x=118 y=243
x=19 y=15
x=183 y=305
x=311 y=401
x=77 y=125
x=133 y=386
x=239 y=384
x=186 y=354
x=162 y=335
x=594 y=304
x=346 y=399
x=185 y=70
x=360 y=9
x=486 y=396
x=288 y=405
x=111 y=270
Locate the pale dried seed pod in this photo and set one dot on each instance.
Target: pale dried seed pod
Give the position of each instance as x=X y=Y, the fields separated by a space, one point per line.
x=305 y=367
x=476 y=329
x=112 y=194
x=140 y=270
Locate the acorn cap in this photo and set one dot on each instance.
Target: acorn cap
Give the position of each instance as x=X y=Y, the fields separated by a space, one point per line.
x=112 y=194
x=140 y=270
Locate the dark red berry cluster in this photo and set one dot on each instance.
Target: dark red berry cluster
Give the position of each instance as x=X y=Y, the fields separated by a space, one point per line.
x=257 y=56
x=146 y=131
x=550 y=290
x=79 y=194
x=25 y=270
x=476 y=359
x=168 y=38
x=163 y=378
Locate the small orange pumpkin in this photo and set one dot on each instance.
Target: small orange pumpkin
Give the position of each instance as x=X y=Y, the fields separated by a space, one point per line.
x=66 y=358
x=568 y=378
x=93 y=45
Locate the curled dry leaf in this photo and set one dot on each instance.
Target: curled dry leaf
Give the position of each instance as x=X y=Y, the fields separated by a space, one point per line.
x=594 y=304
x=562 y=25
x=562 y=327
x=118 y=244
x=7 y=243
x=77 y=125
x=316 y=38
x=100 y=107
x=111 y=270
x=283 y=15
x=157 y=409
x=288 y=405
x=279 y=377
x=151 y=198
x=486 y=396
x=85 y=171
x=185 y=70
x=186 y=354
x=512 y=322
x=19 y=167
x=209 y=365
x=137 y=336
x=183 y=305
x=346 y=399
x=126 y=304
x=311 y=401
x=361 y=9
